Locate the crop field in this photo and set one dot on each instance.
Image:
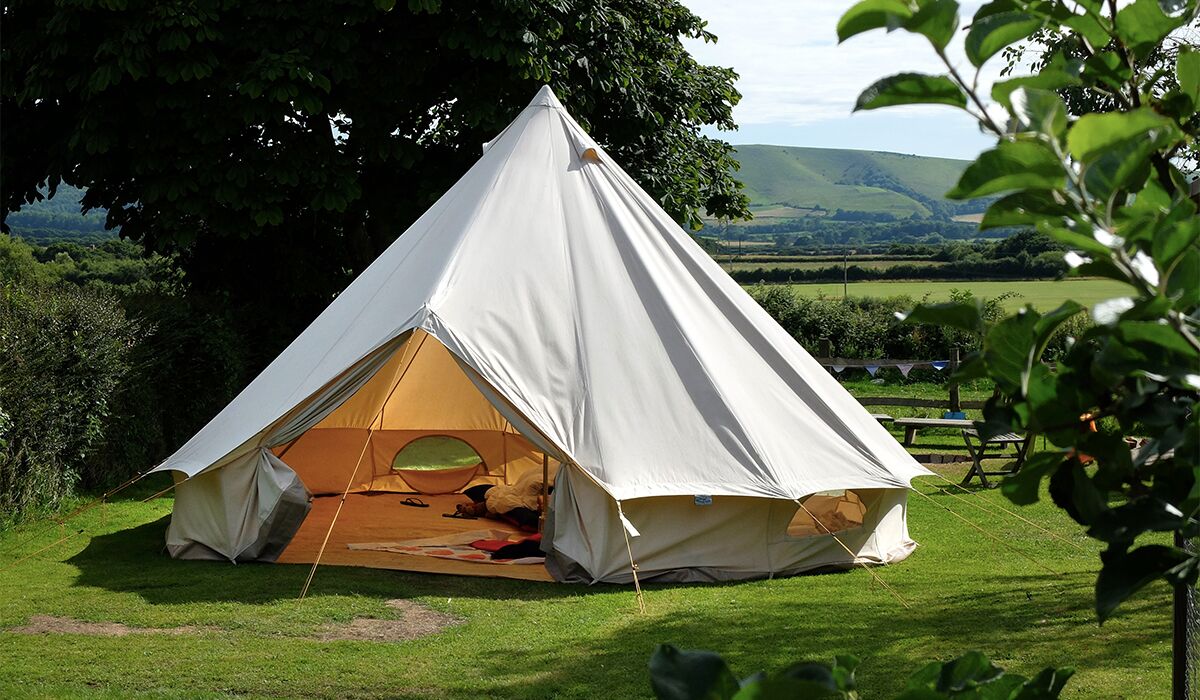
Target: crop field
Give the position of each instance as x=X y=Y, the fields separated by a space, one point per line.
x=1042 y=294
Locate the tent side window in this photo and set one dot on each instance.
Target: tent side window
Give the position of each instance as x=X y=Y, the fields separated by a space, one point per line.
x=835 y=511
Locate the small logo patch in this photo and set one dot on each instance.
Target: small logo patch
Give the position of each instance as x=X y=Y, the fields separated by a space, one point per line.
x=704 y=500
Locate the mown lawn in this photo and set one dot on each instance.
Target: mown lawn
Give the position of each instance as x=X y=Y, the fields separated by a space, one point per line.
x=527 y=640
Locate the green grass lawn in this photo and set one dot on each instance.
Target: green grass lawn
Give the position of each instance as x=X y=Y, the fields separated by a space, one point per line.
x=1042 y=294
x=249 y=636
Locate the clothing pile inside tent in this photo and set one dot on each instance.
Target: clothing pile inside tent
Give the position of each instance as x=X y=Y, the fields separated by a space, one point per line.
x=547 y=312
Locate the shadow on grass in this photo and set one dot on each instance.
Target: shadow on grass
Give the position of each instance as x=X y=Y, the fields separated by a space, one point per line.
x=891 y=646
x=135 y=561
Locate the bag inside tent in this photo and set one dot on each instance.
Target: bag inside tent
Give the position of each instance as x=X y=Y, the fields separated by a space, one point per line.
x=418 y=432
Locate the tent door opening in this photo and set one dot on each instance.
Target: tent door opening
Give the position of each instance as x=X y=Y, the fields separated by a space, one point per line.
x=415 y=436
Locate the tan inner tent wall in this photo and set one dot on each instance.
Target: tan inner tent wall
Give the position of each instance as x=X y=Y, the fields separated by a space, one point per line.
x=420 y=392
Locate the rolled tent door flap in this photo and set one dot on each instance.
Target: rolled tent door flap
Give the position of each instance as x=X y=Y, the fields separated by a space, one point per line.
x=246 y=511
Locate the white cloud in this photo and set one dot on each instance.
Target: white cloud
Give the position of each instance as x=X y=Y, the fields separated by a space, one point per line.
x=792 y=70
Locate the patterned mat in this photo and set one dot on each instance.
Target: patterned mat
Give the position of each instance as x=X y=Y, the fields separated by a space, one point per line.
x=455 y=546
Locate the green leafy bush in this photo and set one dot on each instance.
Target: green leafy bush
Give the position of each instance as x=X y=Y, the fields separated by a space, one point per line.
x=867 y=328
x=63 y=352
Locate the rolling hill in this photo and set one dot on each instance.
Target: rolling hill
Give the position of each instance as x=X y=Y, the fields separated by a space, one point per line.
x=787 y=182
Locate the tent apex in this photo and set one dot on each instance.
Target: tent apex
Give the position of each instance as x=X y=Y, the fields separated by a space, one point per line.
x=545 y=97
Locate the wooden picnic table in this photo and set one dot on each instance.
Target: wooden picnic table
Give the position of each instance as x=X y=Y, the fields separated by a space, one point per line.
x=978 y=449
x=912 y=425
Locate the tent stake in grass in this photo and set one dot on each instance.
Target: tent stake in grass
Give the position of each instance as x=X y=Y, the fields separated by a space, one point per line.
x=633 y=567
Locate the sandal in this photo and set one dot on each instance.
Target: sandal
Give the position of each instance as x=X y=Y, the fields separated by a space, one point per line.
x=460 y=516
x=414 y=502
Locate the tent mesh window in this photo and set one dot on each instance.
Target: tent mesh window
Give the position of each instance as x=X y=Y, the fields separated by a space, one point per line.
x=435 y=464
x=835 y=511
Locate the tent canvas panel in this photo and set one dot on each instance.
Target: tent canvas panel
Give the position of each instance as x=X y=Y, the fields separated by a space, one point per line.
x=735 y=537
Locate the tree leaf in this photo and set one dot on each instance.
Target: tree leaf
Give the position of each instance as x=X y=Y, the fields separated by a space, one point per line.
x=968 y=317
x=936 y=20
x=1007 y=348
x=1116 y=168
x=1155 y=333
x=1173 y=238
x=1023 y=487
x=992 y=33
x=1094 y=134
x=688 y=675
x=967 y=671
x=1142 y=25
x=1125 y=573
x=1059 y=73
x=1024 y=208
x=911 y=88
x=1039 y=111
x=1045 y=685
x=1095 y=30
x=1187 y=70
x=872 y=14
x=1012 y=165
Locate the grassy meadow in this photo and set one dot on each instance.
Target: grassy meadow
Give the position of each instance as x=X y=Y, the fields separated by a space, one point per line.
x=1042 y=294
x=210 y=629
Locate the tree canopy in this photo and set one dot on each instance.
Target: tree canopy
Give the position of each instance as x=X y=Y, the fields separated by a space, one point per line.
x=279 y=147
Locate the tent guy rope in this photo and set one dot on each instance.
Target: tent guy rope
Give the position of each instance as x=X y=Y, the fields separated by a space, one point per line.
x=978 y=501
x=854 y=557
x=989 y=535
x=357 y=464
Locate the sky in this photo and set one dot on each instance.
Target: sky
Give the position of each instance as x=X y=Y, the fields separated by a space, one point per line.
x=799 y=86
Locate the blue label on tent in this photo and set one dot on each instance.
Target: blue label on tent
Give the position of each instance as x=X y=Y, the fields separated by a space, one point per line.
x=704 y=500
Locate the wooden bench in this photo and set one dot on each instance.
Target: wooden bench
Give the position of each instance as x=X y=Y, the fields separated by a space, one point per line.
x=978 y=449
x=882 y=417
x=912 y=425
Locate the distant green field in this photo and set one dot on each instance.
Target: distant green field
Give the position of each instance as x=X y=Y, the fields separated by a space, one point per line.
x=1042 y=294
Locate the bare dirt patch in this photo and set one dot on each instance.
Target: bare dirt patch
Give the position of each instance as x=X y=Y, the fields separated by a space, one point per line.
x=414 y=621
x=51 y=624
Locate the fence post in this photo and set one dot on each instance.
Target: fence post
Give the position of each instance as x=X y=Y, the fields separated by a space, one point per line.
x=954 y=402
x=825 y=351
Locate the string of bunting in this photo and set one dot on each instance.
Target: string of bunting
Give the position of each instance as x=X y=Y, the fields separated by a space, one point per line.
x=873 y=367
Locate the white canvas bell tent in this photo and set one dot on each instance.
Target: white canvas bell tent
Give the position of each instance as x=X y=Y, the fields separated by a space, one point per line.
x=546 y=305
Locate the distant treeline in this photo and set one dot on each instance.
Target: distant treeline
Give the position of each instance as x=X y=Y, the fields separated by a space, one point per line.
x=1006 y=268
x=1025 y=255
x=808 y=232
